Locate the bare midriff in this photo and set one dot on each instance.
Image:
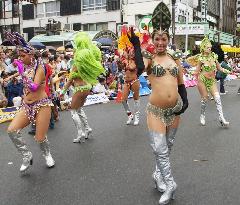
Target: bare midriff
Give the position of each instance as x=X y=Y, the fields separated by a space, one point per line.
x=164 y=91
x=36 y=96
x=130 y=71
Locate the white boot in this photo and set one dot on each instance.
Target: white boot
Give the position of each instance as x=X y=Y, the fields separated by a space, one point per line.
x=222 y=120
x=203 y=112
x=130 y=119
x=136 y=118
x=202 y=120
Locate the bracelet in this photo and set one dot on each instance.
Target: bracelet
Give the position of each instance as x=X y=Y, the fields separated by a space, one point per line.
x=64 y=91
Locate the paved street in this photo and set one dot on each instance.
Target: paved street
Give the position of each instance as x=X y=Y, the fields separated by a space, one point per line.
x=114 y=167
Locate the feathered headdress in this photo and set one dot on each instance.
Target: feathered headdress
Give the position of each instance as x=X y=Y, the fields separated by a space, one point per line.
x=161 y=19
x=125 y=47
x=17 y=40
x=204 y=44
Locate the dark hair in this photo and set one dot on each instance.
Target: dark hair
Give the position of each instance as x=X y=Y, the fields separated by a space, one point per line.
x=55 y=57
x=51 y=58
x=155 y=31
x=216 y=48
x=45 y=54
x=37 y=54
x=67 y=57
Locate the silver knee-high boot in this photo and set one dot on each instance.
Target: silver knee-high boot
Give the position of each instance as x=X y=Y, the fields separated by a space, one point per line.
x=160 y=149
x=222 y=120
x=77 y=121
x=87 y=130
x=128 y=111
x=157 y=176
x=158 y=180
x=203 y=112
x=136 y=111
x=170 y=135
x=21 y=146
x=45 y=148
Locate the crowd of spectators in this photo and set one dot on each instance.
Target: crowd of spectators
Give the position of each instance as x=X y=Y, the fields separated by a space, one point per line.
x=60 y=66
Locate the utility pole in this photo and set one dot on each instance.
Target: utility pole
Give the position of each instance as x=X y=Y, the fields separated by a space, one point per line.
x=20 y=17
x=186 y=40
x=173 y=21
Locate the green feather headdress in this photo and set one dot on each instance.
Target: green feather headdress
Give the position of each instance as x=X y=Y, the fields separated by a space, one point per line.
x=204 y=44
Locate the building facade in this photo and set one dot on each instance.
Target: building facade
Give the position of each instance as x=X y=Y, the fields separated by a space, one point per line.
x=87 y=15
x=214 y=17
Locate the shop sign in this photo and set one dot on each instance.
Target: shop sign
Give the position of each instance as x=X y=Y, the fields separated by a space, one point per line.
x=190 y=29
x=146 y=24
x=221 y=37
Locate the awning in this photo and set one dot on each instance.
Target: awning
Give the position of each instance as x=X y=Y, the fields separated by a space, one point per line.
x=65 y=36
x=105 y=41
x=230 y=49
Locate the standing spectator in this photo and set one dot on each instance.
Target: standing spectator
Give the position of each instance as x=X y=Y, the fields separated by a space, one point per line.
x=57 y=60
x=222 y=76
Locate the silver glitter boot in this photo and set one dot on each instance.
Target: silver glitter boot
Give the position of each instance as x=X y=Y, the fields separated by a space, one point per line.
x=160 y=149
x=44 y=146
x=203 y=112
x=87 y=130
x=21 y=146
x=136 y=112
x=77 y=121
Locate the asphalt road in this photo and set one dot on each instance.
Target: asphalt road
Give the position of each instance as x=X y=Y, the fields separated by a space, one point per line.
x=114 y=167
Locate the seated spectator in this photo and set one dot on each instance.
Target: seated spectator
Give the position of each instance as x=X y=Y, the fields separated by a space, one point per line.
x=14 y=89
x=100 y=87
x=12 y=67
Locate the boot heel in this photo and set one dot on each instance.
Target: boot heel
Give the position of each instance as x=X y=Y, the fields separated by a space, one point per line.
x=155 y=185
x=173 y=195
x=31 y=162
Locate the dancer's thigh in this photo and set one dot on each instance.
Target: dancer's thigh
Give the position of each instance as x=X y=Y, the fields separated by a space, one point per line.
x=78 y=99
x=125 y=93
x=202 y=89
x=175 y=123
x=19 y=122
x=42 y=123
x=155 y=124
x=135 y=90
x=214 y=90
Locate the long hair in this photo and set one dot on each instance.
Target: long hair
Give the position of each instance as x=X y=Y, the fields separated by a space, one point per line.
x=216 y=48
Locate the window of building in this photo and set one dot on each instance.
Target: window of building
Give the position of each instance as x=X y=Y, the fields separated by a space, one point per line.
x=102 y=26
x=95 y=26
x=40 y=10
x=52 y=8
x=48 y=9
x=89 y=5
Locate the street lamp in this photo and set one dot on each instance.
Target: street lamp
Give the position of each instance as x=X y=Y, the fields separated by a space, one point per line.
x=50 y=28
x=173 y=20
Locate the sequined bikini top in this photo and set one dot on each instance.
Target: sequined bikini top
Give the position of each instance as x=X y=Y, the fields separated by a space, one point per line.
x=160 y=71
x=208 y=68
